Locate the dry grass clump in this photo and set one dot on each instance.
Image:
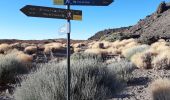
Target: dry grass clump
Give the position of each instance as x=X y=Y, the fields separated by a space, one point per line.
x=107 y=44
x=76 y=50
x=53 y=47
x=98 y=45
x=160 y=89
x=113 y=51
x=24 y=45
x=162 y=60
x=78 y=45
x=142 y=60
x=10 y=68
x=96 y=51
x=4 y=48
x=30 y=49
x=24 y=57
x=16 y=46
x=40 y=47
x=159 y=43
x=129 y=52
x=20 y=56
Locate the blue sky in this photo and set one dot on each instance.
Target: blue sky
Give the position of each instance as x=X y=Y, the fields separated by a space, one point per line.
x=15 y=25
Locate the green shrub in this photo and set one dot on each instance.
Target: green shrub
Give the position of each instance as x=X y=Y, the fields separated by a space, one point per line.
x=90 y=80
x=10 y=68
x=131 y=51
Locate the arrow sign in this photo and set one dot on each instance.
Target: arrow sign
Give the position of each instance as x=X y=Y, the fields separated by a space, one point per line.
x=48 y=12
x=84 y=2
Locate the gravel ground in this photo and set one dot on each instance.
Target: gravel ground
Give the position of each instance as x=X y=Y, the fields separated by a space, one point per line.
x=139 y=86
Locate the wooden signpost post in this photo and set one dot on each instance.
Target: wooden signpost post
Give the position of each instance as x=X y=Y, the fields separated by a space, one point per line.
x=58 y=13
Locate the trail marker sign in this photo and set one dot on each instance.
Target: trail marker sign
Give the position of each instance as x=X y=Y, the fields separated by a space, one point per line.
x=84 y=2
x=48 y=12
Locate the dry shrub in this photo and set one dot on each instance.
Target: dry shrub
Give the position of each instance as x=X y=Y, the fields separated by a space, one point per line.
x=131 y=44
x=78 y=45
x=96 y=51
x=157 y=44
x=76 y=50
x=64 y=45
x=162 y=48
x=162 y=60
x=160 y=89
x=113 y=51
x=30 y=49
x=161 y=40
x=107 y=44
x=4 y=48
x=142 y=60
x=24 y=57
x=16 y=45
x=129 y=52
x=24 y=45
x=153 y=52
x=10 y=68
x=98 y=45
x=115 y=44
x=40 y=47
x=21 y=56
x=91 y=80
x=53 y=47
x=47 y=50
x=125 y=42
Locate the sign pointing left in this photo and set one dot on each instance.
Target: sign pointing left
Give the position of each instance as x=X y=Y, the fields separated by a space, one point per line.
x=48 y=12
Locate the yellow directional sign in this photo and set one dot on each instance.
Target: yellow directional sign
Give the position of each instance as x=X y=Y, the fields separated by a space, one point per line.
x=77 y=17
x=59 y=2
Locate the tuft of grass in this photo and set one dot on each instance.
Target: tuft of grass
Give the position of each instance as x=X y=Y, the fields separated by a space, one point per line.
x=10 y=68
x=160 y=89
x=123 y=68
x=4 y=48
x=90 y=80
x=82 y=56
x=98 y=45
x=142 y=60
x=96 y=51
x=128 y=53
x=30 y=49
x=162 y=60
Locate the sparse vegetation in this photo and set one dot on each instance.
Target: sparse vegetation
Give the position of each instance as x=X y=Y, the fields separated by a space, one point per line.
x=30 y=49
x=91 y=80
x=142 y=60
x=128 y=53
x=4 y=48
x=10 y=68
x=96 y=51
x=162 y=60
x=82 y=56
x=161 y=89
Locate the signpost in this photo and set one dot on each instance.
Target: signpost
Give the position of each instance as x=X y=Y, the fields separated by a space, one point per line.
x=47 y=12
x=84 y=2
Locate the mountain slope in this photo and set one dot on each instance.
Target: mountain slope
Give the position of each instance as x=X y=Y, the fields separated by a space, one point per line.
x=150 y=29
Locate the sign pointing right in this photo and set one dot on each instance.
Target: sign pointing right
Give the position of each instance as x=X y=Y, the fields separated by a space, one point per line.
x=84 y=2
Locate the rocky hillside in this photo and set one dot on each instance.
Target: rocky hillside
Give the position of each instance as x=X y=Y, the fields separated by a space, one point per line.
x=108 y=32
x=153 y=27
